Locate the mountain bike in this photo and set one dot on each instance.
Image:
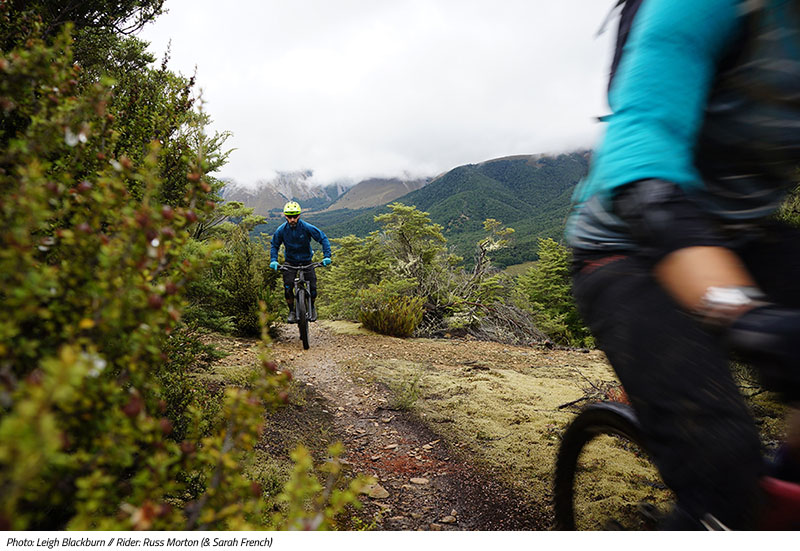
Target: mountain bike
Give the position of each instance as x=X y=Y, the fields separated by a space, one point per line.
x=629 y=493
x=302 y=298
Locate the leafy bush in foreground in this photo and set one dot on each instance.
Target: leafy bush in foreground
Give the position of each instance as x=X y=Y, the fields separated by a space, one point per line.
x=99 y=427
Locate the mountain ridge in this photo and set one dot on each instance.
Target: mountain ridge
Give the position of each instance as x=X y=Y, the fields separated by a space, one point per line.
x=373 y=192
x=530 y=193
x=269 y=196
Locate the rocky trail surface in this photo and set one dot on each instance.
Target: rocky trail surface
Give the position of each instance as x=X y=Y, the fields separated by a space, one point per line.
x=425 y=480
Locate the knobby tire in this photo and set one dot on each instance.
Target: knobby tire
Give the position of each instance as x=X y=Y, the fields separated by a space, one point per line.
x=604 y=418
x=302 y=317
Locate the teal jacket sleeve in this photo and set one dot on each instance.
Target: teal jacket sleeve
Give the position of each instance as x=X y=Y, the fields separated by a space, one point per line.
x=659 y=94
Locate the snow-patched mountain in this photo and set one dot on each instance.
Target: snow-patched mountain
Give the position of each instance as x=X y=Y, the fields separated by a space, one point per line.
x=271 y=195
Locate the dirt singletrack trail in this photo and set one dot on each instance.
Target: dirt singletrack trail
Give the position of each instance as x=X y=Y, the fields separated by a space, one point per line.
x=421 y=484
x=473 y=449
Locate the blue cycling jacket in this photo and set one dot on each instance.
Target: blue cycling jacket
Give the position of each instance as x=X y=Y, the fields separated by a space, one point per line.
x=297 y=242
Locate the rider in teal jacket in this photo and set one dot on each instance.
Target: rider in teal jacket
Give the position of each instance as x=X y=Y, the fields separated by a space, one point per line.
x=677 y=258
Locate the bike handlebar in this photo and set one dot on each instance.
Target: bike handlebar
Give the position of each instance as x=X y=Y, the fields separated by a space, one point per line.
x=289 y=267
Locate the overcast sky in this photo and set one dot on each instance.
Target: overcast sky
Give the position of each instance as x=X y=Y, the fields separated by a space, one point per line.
x=360 y=88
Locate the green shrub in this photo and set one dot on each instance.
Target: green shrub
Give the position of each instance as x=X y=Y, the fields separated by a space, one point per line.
x=243 y=280
x=226 y=294
x=359 y=263
x=206 y=297
x=389 y=314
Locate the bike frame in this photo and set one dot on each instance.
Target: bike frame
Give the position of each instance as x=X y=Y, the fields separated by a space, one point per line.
x=302 y=297
x=782 y=511
x=299 y=276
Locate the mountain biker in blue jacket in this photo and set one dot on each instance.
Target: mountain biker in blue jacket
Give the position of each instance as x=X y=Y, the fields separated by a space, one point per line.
x=296 y=235
x=678 y=259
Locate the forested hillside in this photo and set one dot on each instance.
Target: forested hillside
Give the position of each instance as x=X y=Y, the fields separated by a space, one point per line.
x=528 y=193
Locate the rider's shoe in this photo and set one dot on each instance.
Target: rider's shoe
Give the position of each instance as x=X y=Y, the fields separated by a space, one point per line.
x=313 y=316
x=292 y=317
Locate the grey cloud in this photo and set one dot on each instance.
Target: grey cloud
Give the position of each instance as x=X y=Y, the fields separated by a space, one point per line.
x=358 y=88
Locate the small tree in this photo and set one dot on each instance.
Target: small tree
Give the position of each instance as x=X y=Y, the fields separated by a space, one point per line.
x=476 y=294
x=408 y=257
x=416 y=245
x=418 y=250
x=545 y=290
x=485 y=284
x=243 y=280
x=360 y=262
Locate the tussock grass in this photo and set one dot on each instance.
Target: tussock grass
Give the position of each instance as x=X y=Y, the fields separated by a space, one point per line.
x=224 y=374
x=345 y=327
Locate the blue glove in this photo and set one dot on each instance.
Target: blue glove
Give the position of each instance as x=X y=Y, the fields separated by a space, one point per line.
x=326 y=261
x=273 y=265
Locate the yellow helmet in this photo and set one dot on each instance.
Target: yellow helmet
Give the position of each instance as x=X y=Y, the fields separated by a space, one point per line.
x=291 y=209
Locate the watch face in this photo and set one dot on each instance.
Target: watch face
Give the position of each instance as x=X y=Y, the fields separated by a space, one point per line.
x=729 y=296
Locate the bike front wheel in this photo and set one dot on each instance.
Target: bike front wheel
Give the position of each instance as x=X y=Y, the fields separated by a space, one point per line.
x=302 y=317
x=604 y=476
